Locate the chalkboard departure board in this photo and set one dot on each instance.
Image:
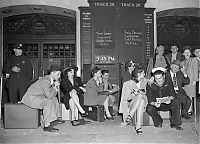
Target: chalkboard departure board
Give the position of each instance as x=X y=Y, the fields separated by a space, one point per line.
x=132 y=36
x=104 y=38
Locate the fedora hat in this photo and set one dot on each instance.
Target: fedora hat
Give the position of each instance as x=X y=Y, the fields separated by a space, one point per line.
x=54 y=68
x=18 y=46
x=177 y=63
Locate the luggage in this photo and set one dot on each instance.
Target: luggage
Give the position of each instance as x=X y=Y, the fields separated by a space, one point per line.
x=65 y=114
x=19 y=116
x=95 y=112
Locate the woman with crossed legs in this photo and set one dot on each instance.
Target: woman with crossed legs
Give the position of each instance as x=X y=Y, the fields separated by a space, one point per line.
x=134 y=98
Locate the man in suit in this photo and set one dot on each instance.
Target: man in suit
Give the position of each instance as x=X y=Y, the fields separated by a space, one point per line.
x=19 y=71
x=42 y=95
x=161 y=88
x=174 y=55
x=197 y=54
x=179 y=79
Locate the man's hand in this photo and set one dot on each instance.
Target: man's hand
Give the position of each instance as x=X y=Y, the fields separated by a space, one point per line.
x=56 y=85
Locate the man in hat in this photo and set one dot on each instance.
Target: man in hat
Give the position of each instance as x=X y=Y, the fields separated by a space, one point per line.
x=179 y=78
x=42 y=95
x=19 y=71
x=174 y=55
x=161 y=97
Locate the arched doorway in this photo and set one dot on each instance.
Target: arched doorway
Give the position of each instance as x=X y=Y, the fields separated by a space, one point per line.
x=179 y=26
x=48 y=35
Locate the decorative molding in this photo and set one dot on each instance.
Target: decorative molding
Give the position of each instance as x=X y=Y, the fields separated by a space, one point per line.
x=39 y=24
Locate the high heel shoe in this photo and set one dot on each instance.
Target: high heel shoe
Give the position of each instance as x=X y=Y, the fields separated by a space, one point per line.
x=129 y=120
x=84 y=114
x=139 y=130
x=109 y=118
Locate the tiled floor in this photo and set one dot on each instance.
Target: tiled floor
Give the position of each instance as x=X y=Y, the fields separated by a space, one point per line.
x=105 y=132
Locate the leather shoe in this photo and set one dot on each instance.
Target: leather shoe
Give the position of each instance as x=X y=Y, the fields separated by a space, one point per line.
x=60 y=121
x=186 y=116
x=84 y=114
x=50 y=129
x=57 y=122
x=159 y=126
x=177 y=127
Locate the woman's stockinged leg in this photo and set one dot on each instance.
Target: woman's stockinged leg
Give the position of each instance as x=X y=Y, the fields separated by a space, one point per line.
x=72 y=108
x=76 y=102
x=135 y=105
x=105 y=104
x=140 y=111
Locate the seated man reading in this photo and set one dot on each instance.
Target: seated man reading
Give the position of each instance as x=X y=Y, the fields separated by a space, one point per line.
x=161 y=97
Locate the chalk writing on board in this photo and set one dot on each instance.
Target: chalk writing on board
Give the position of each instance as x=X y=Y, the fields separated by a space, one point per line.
x=105 y=59
x=103 y=38
x=132 y=36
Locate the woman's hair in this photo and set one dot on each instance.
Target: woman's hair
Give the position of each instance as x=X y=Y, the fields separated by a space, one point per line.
x=138 y=69
x=159 y=46
x=95 y=70
x=187 y=48
x=104 y=71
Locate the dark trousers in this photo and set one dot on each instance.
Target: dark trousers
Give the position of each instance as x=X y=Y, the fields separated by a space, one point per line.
x=197 y=89
x=185 y=103
x=173 y=107
x=14 y=92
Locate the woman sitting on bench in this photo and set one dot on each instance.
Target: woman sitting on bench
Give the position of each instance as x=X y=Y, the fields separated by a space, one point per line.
x=95 y=95
x=72 y=90
x=134 y=98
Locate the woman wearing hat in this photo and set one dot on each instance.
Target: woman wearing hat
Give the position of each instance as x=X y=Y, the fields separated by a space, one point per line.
x=72 y=90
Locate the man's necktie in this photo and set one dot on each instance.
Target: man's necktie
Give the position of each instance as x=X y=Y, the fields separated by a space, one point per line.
x=175 y=81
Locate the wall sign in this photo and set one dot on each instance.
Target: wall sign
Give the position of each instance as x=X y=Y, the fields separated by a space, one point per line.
x=132 y=36
x=105 y=59
x=103 y=38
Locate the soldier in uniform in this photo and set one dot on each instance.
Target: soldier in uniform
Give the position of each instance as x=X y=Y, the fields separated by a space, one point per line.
x=19 y=72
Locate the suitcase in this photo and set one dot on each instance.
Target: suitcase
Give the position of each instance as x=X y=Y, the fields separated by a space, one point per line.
x=19 y=116
x=95 y=113
x=65 y=114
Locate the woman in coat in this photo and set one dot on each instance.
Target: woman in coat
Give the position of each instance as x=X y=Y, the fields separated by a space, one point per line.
x=190 y=65
x=134 y=98
x=95 y=95
x=159 y=60
x=72 y=91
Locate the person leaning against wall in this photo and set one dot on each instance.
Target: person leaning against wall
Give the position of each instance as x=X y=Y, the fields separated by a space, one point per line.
x=19 y=72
